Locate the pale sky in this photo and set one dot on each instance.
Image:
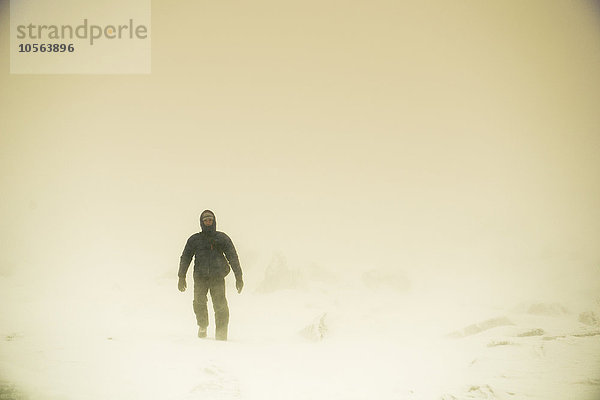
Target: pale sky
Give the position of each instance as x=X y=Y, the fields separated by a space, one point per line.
x=432 y=138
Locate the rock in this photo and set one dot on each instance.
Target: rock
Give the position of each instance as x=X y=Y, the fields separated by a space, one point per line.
x=10 y=392
x=317 y=330
x=379 y=279
x=533 y=332
x=589 y=318
x=480 y=327
x=495 y=343
x=278 y=276
x=545 y=309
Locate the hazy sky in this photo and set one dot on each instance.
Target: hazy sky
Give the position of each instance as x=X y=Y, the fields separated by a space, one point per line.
x=432 y=137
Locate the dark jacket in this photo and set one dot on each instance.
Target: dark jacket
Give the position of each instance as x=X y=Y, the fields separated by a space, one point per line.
x=213 y=254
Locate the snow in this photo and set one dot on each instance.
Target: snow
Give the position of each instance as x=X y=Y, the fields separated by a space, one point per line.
x=125 y=337
x=430 y=179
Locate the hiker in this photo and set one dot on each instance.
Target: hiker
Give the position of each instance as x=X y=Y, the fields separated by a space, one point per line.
x=214 y=256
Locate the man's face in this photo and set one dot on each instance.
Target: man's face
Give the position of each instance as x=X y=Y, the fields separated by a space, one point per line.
x=208 y=220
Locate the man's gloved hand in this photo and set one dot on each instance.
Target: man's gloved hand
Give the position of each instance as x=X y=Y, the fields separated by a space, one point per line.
x=181 y=285
x=239 y=285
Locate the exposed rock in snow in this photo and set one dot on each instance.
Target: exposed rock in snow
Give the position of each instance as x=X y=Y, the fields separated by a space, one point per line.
x=10 y=392
x=317 y=330
x=589 y=381
x=480 y=327
x=589 y=318
x=532 y=332
x=479 y=392
x=380 y=279
x=543 y=309
x=587 y=334
x=482 y=392
x=278 y=276
x=495 y=343
x=12 y=336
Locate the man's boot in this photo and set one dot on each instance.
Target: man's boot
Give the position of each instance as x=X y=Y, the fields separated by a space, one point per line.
x=201 y=332
x=221 y=332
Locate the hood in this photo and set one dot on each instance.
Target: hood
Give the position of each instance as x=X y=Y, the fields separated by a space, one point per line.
x=211 y=228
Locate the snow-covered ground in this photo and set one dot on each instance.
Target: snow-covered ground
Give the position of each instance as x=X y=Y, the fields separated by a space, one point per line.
x=366 y=336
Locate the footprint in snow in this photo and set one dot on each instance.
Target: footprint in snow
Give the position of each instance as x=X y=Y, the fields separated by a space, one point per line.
x=215 y=384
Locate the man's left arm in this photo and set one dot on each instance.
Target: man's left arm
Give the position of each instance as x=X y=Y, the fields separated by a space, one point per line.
x=234 y=262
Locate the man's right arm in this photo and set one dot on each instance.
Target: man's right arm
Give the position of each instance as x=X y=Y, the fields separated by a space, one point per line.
x=186 y=258
x=184 y=264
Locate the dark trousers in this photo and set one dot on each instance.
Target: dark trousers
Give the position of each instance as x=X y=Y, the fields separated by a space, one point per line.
x=216 y=287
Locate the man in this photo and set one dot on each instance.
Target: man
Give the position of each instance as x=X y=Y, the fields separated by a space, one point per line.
x=214 y=256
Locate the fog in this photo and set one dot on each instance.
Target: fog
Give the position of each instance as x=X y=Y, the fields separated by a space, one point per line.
x=429 y=139
x=453 y=145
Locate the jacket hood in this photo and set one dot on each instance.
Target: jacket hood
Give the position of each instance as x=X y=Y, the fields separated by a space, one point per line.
x=211 y=228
